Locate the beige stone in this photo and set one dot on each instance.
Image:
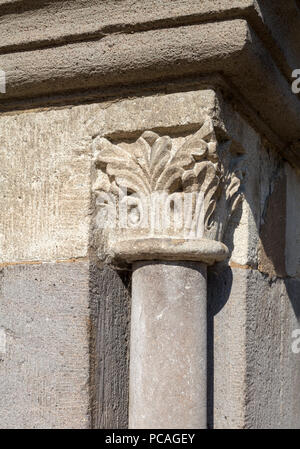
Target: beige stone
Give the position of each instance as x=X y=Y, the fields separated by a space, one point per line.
x=240 y=48
x=163 y=190
x=163 y=57
x=45 y=185
x=201 y=250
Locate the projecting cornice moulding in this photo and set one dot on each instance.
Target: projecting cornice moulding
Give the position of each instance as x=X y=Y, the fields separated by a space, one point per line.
x=45 y=24
x=238 y=42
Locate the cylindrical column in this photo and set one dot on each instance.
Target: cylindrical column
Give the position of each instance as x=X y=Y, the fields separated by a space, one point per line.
x=168 y=346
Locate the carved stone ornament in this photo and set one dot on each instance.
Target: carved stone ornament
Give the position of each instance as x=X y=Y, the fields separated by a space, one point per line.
x=164 y=198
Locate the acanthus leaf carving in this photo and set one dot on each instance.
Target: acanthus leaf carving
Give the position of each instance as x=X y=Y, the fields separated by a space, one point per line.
x=153 y=164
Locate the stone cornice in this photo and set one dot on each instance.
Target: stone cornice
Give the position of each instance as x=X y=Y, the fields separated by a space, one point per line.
x=51 y=66
x=46 y=24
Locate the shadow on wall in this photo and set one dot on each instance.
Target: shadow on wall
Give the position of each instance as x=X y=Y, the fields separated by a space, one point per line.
x=109 y=347
x=279 y=300
x=273 y=237
x=219 y=281
x=293 y=290
x=219 y=284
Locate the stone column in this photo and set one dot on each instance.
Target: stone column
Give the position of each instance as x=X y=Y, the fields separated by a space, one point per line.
x=157 y=202
x=167 y=386
x=168 y=340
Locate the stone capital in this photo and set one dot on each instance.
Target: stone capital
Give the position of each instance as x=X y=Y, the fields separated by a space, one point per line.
x=165 y=198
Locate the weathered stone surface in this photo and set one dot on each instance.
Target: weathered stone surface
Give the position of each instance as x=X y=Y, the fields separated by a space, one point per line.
x=63 y=25
x=109 y=362
x=256 y=374
x=45 y=185
x=122 y=59
x=45 y=370
x=273 y=380
x=278 y=253
x=227 y=292
x=69 y=151
x=201 y=250
x=125 y=174
x=168 y=346
x=37 y=25
x=50 y=23
x=172 y=112
x=281 y=21
x=154 y=194
x=63 y=347
x=241 y=237
x=292 y=236
x=45 y=203
x=273 y=231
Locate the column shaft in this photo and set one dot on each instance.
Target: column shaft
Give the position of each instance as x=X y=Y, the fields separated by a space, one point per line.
x=168 y=345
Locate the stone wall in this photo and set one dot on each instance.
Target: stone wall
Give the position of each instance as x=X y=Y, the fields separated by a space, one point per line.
x=65 y=321
x=62 y=321
x=162 y=67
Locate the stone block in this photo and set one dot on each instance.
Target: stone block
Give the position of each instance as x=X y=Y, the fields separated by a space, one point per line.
x=44 y=370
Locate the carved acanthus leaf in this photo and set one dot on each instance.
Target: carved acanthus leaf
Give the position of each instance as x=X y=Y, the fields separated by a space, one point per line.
x=152 y=164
